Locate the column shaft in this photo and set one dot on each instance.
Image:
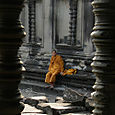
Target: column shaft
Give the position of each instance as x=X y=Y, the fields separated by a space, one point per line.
x=104 y=61
x=11 y=34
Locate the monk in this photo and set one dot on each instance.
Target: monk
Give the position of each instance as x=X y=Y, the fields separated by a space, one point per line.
x=56 y=66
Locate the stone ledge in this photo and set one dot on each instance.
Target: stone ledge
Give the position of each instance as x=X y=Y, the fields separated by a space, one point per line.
x=80 y=79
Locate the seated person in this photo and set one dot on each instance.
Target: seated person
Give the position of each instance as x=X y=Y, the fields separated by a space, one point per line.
x=56 y=66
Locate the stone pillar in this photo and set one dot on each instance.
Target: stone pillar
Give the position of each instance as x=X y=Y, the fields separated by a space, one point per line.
x=104 y=61
x=11 y=34
x=32 y=25
x=73 y=21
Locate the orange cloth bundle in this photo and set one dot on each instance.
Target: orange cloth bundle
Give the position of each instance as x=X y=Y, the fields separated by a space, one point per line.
x=69 y=71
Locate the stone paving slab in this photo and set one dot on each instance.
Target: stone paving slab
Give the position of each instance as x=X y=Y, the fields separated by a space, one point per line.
x=31 y=110
x=33 y=101
x=39 y=98
x=58 y=108
x=56 y=105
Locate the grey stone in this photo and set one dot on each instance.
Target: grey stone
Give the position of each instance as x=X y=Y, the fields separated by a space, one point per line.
x=70 y=95
x=46 y=58
x=47 y=55
x=35 y=100
x=59 y=100
x=38 y=54
x=56 y=108
x=69 y=60
x=28 y=110
x=69 y=64
x=77 y=67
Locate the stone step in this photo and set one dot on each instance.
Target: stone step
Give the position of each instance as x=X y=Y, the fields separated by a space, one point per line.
x=76 y=85
x=41 y=83
x=58 y=89
x=71 y=78
x=80 y=75
x=40 y=87
x=76 y=81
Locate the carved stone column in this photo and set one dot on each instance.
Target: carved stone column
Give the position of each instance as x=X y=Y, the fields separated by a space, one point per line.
x=11 y=34
x=104 y=60
x=73 y=21
x=32 y=16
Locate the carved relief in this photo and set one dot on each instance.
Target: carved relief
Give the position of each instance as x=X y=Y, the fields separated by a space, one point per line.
x=36 y=21
x=32 y=13
x=73 y=22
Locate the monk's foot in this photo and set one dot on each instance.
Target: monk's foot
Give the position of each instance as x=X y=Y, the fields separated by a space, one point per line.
x=51 y=87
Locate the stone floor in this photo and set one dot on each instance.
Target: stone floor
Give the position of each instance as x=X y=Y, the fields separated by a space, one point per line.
x=29 y=92
x=31 y=109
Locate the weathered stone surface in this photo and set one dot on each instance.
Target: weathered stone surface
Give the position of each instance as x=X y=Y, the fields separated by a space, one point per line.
x=78 y=99
x=69 y=60
x=59 y=100
x=55 y=105
x=29 y=109
x=72 y=55
x=103 y=65
x=89 y=103
x=72 y=96
x=47 y=55
x=11 y=38
x=30 y=102
x=41 y=99
x=35 y=100
x=57 y=108
x=77 y=67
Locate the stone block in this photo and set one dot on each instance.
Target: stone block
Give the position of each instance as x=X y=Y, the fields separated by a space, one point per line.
x=33 y=101
x=31 y=110
x=56 y=108
x=59 y=100
x=70 y=95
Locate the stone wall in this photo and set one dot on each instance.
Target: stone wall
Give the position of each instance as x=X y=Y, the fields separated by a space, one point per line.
x=57 y=24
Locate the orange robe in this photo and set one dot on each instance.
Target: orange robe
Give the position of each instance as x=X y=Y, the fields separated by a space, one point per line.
x=69 y=72
x=56 y=66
